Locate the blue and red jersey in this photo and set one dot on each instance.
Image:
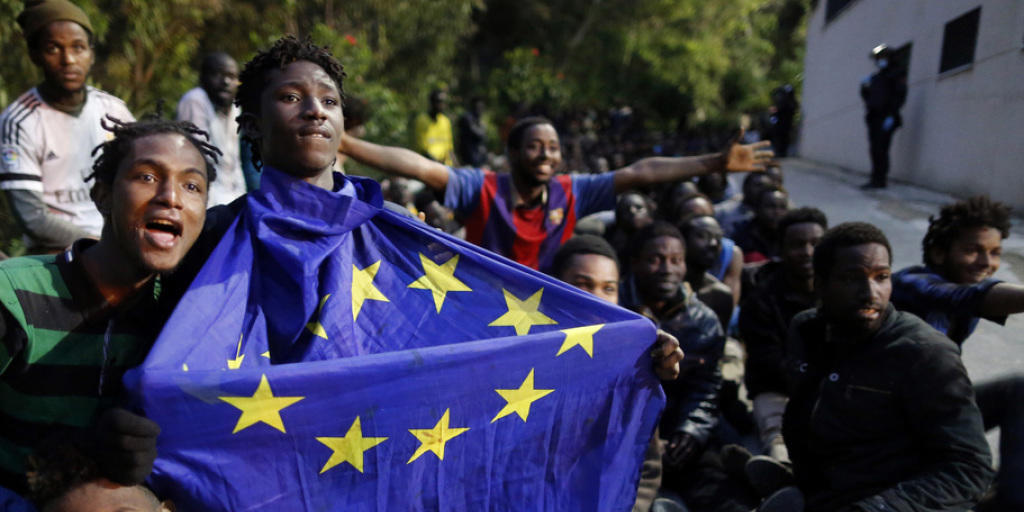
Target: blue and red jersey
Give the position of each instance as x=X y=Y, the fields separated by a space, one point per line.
x=483 y=200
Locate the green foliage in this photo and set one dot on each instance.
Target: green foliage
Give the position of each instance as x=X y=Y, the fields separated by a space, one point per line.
x=682 y=62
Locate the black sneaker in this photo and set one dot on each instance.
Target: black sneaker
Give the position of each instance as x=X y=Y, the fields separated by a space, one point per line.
x=767 y=475
x=787 y=499
x=872 y=185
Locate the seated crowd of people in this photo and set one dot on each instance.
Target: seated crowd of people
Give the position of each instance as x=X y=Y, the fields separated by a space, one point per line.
x=802 y=372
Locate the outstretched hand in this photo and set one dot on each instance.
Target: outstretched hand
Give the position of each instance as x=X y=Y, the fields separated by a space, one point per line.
x=747 y=157
x=666 y=355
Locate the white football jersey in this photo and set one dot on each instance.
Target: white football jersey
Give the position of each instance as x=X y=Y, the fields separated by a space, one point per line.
x=46 y=150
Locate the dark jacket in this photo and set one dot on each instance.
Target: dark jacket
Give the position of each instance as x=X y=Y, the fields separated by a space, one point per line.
x=884 y=94
x=889 y=424
x=764 y=323
x=692 y=405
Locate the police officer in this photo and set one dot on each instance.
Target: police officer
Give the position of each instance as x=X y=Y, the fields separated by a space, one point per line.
x=884 y=93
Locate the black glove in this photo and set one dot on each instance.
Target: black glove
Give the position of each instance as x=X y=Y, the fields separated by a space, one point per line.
x=682 y=449
x=124 y=446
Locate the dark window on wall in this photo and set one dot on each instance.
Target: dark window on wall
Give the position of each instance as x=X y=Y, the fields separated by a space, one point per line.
x=959 y=40
x=834 y=7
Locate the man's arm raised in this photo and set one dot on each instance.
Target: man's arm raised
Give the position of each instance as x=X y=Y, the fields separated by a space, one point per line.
x=649 y=171
x=396 y=161
x=1003 y=299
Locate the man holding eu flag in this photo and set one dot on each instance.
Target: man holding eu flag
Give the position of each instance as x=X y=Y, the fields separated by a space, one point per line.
x=527 y=214
x=330 y=354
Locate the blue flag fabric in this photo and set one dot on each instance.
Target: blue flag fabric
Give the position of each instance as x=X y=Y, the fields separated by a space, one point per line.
x=333 y=355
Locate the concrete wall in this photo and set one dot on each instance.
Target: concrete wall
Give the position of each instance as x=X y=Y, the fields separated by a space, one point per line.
x=963 y=131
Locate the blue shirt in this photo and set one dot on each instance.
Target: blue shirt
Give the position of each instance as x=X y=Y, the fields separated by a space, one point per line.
x=952 y=309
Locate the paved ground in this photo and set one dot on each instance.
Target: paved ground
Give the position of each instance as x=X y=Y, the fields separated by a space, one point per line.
x=902 y=212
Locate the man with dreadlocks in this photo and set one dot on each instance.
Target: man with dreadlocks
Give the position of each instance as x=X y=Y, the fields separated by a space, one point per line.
x=72 y=323
x=952 y=291
x=47 y=133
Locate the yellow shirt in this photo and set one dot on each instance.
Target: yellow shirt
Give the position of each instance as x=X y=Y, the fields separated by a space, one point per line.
x=434 y=137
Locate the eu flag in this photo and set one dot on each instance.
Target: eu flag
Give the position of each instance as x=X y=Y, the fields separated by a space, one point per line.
x=333 y=355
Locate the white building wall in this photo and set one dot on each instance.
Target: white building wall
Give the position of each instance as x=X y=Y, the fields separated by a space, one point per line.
x=963 y=132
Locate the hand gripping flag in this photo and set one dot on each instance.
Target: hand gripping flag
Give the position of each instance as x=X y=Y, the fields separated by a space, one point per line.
x=333 y=355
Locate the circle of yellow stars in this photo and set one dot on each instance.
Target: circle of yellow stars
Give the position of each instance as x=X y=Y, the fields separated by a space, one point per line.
x=439 y=279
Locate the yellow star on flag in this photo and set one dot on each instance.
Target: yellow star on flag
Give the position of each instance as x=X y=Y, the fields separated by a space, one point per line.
x=363 y=288
x=314 y=325
x=439 y=279
x=580 y=336
x=434 y=439
x=349 y=448
x=236 y=363
x=262 y=406
x=519 y=400
x=522 y=314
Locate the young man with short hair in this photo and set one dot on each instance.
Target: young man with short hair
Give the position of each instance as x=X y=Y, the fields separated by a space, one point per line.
x=71 y=324
x=527 y=214
x=784 y=288
x=432 y=131
x=953 y=290
x=703 y=247
x=656 y=288
x=210 y=107
x=48 y=133
x=881 y=415
x=589 y=263
x=759 y=236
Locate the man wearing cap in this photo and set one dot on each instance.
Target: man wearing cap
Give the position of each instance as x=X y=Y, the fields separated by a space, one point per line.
x=48 y=133
x=884 y=93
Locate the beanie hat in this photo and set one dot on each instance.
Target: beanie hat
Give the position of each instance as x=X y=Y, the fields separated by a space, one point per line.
x=40 y=13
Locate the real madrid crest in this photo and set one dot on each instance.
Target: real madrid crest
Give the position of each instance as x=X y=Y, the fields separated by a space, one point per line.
x=555 y=216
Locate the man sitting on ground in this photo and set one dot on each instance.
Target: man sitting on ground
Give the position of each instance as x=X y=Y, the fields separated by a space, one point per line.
x=784 y=289
x=703 y=247
x=954 y=289
x=881 y=414
x=657 y=289
x=589 y=263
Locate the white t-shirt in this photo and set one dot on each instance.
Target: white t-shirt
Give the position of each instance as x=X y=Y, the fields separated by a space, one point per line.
x=195 y=106
x=46 y=150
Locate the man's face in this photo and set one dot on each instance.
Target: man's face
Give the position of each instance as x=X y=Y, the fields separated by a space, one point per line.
x=101 y=495
x=753 y=186
x=63 y=52
x=973 y=256
x=438 y=102
x=157 y=203
x=220 y=81
x=595 y=274
x=632 y=212
x=300 y=120
x=659 y=268
x=694 y=206
x=856 y=293
x=771 y=209
x=539 y=156
x=798 y=248
x=703 y=242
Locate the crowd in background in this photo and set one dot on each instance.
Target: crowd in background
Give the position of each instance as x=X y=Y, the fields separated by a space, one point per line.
x=813 y=376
